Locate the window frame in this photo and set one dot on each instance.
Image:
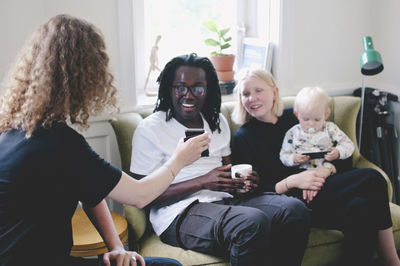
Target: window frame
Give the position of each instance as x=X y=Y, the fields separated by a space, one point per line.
x=131 y=55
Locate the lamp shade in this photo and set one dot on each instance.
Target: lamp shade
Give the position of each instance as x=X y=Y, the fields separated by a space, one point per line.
x=370 y=59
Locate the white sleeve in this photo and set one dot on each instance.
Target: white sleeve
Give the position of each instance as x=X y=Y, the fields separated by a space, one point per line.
x=146 y=155
x=343 y=143
x=287 y=151
x=226 y=151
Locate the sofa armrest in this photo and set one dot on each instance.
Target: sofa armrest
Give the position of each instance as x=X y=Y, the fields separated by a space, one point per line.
x=344 y=111
x=124 y=126
x=137 y=223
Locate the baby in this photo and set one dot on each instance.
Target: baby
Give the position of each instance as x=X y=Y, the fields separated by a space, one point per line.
x=314 y=134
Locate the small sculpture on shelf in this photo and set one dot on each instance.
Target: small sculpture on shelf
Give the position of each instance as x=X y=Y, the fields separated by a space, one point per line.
x=153 y=66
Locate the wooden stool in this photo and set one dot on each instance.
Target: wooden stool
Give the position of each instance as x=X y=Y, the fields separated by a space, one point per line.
x=87 y=241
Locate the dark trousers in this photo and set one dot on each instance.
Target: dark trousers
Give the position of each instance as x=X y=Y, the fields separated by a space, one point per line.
x=267 y=229
x=150 y=261
x=355 y=202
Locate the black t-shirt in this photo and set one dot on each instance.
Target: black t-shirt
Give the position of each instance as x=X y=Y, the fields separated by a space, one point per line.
x=42 y=178
x=259 y=143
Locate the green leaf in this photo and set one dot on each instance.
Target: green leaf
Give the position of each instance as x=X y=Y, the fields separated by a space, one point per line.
x=227 y=39
x=214 y=53
x=211 y=25
x=223 y=32
x=226 y=45
x=211 y=42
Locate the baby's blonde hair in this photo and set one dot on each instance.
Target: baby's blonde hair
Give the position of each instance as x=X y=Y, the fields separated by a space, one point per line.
x=311 y=98
x=239 y=114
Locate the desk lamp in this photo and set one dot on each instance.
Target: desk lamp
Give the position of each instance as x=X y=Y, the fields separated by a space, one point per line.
x=371 y=64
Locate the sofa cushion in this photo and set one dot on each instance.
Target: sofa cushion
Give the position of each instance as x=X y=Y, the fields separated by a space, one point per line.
x=152 y=246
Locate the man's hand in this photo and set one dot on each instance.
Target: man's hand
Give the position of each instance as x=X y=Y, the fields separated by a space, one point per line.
x=251 y=181
x=219 y=179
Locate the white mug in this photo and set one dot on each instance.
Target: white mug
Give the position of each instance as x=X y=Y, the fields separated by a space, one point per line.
x=242 y=169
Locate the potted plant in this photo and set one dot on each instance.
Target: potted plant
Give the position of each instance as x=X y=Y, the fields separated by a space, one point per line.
x=222 y=62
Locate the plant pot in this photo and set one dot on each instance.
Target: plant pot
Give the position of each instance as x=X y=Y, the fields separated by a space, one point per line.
x=223 y=62
x=225 y=75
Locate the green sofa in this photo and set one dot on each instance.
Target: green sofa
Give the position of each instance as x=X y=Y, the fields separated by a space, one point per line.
x=324 y=246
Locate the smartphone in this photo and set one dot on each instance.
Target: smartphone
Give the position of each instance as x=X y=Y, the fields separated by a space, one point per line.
x=192 y=132
x=315 y=155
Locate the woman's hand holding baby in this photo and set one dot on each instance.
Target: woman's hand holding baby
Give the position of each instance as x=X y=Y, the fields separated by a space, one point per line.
x=311 y=180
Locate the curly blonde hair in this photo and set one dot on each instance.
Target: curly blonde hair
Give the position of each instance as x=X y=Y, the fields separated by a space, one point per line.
x=62 y=73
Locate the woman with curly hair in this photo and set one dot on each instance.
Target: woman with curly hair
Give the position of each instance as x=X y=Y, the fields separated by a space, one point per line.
x=199 y=211
x=62 y=78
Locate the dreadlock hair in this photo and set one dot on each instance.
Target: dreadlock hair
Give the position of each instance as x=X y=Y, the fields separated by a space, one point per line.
x=212 y=105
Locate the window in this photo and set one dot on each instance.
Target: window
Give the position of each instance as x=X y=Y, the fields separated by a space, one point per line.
x=179 y=23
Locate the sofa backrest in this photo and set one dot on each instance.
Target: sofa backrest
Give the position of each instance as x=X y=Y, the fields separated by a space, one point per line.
x=344 y=110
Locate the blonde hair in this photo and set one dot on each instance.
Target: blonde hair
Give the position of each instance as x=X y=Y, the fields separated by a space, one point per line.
x=311 y=98
x=62 y=73
x=239 y=114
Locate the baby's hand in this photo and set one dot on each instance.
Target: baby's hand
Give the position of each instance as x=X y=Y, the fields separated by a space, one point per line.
x=332 y=155
x=300 y=158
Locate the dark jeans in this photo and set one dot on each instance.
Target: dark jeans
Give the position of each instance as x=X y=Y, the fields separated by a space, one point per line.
x=267 y=229
x=355 y=202
x=150 y=261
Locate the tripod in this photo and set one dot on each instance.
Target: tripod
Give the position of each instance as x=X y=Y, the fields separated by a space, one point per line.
x=380 y=135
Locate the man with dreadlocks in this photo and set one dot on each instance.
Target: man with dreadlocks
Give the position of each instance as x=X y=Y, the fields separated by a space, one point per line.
x=201 y=210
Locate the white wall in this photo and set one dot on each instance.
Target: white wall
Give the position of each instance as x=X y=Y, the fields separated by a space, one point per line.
x=16 y=24
x=386 y=16
x=18 y=19
x=321 y=42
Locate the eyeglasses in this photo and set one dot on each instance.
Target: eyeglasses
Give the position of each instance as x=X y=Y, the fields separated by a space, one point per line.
x=197 y=91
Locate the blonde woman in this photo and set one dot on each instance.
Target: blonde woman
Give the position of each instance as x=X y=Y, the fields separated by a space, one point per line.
x=46 y=167
x=354 y=202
